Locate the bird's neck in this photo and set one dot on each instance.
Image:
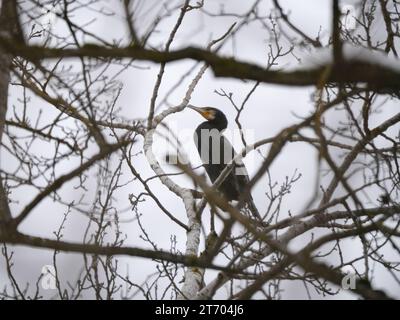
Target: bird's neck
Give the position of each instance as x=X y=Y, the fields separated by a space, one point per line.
x=213 y=124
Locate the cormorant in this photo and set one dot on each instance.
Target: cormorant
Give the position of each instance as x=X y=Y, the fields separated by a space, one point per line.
x=216 y=152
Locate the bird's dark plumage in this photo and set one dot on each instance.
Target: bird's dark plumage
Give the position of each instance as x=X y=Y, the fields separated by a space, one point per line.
x=216 y=152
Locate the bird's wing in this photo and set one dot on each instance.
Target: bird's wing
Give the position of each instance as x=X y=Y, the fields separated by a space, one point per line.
x=240 y=178
x=239 y=167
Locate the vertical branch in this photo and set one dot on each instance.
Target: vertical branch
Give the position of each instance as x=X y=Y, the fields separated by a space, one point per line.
x=5 y=60
x=337 y=44
x=129 y=21
x=162 y=65
x=390 y=44
x=10 y=28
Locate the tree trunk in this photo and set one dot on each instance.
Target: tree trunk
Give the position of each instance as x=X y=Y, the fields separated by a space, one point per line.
x=9 y=28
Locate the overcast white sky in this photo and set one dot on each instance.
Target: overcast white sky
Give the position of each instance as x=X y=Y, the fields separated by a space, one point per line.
x=269 y=110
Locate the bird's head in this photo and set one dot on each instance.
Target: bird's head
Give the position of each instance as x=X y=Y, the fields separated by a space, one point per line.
x=208 y=112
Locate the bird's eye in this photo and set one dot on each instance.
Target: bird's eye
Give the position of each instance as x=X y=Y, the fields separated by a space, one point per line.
x=210 y=114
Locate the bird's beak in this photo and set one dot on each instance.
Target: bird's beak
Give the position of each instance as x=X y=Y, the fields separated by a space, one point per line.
x=202 y=111
x=199 y=110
